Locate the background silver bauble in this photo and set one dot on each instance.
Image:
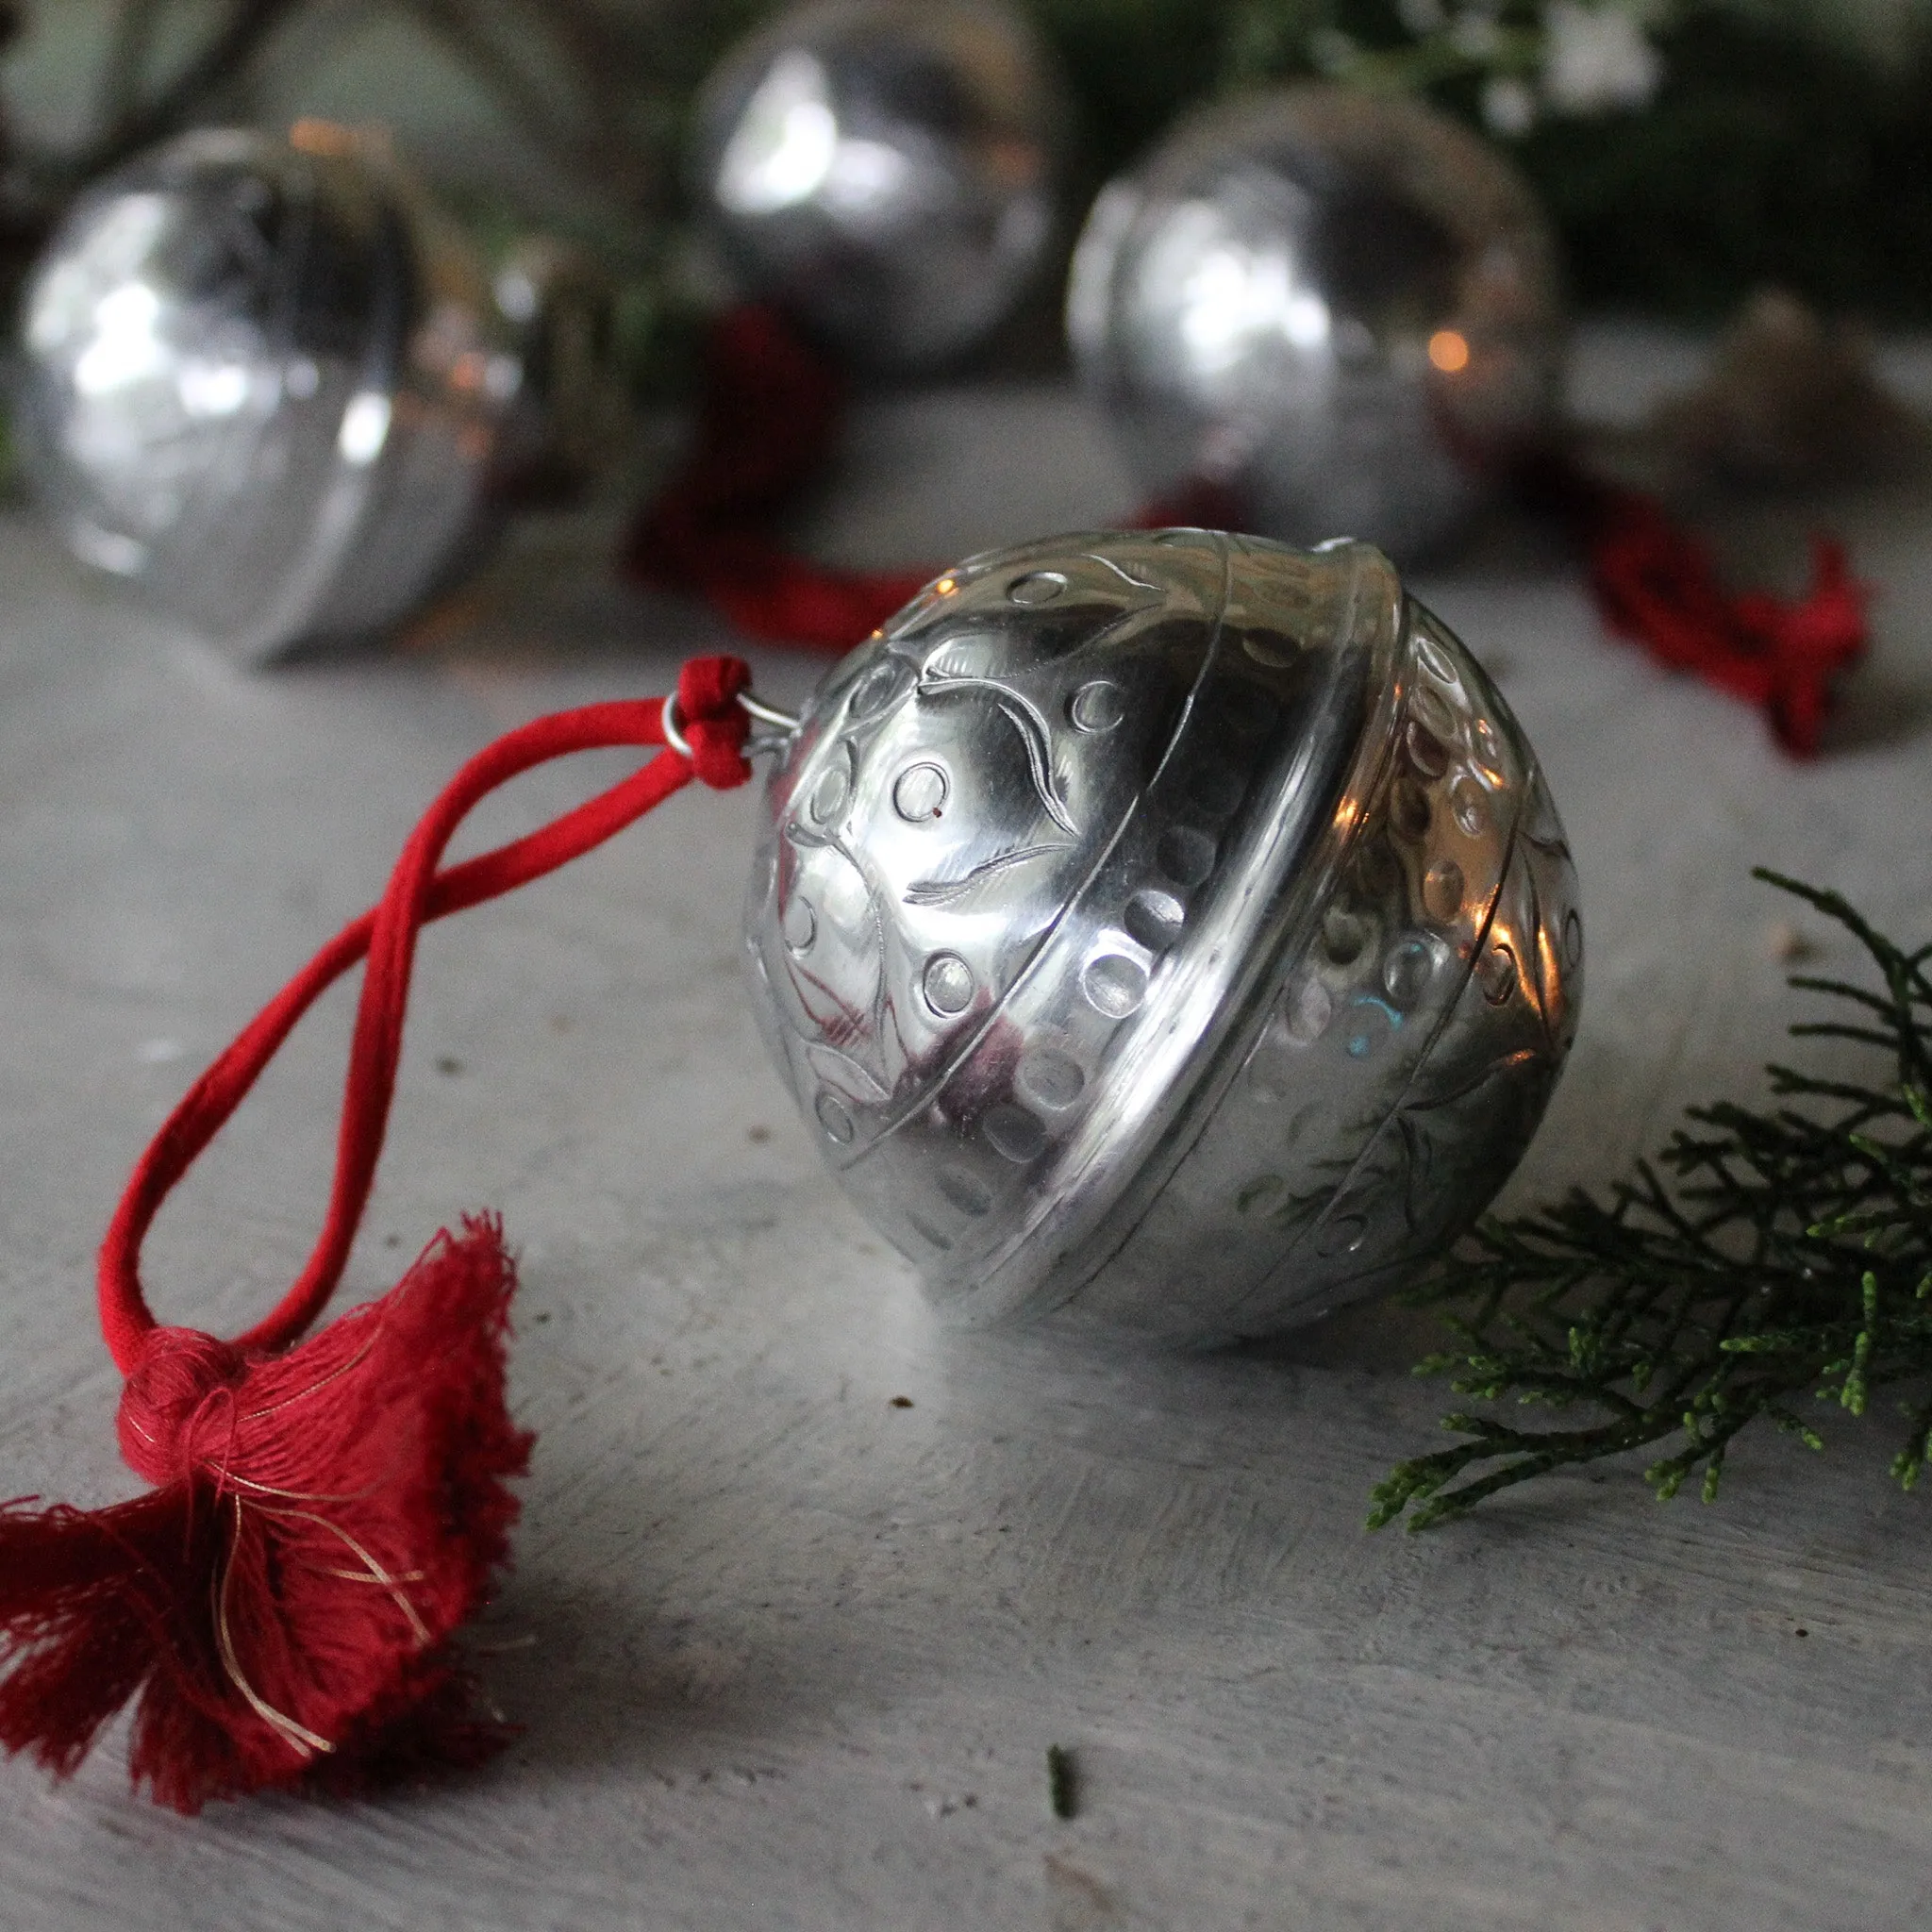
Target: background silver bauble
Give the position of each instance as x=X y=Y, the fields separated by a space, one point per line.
x=1175 y=927
x=884 y=169
x=265 y=379
x=1345 y=309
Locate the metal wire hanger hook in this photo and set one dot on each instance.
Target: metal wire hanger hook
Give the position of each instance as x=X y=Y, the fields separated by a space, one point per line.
x=785 y=726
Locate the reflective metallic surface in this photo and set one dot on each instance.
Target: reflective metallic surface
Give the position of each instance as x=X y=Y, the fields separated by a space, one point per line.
x=1175 y=927
x=263 y=380
x=1345 y=309
x=884 y=169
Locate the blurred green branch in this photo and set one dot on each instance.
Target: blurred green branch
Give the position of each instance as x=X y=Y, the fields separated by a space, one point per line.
x=1690 y=151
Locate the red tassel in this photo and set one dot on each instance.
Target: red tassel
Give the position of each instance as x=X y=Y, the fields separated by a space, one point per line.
x=769 y=415
x=323 y=1516
x=1657 y=586
x=1196 y=503
x=323 y=1521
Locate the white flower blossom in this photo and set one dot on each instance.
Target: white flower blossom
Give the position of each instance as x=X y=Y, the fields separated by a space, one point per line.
x=1509 y=106
x=1597 y=57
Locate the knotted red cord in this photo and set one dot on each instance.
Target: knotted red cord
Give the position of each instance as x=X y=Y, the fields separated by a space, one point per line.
x=323 y=1516
x=769 y=415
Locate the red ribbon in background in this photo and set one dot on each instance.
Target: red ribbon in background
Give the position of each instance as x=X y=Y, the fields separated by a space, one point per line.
x=1657 y=585
x=769 y=415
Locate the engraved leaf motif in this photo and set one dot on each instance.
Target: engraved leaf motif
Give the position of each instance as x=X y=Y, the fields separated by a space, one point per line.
x=1125 y=576
x=1422 y=1120
x=1033 y=729
x=841 y=1071
x=1418 y=1154
x=816 y=840
x=1033 y=733
x=945 y=892
x=1521 y=1060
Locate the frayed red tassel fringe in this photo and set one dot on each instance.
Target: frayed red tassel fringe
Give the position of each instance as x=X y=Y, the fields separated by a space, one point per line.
x=280 y=1605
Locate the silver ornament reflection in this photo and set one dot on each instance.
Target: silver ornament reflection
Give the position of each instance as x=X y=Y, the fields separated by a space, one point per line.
x=1344 y=310
x=1172 y=927
x=263 y=380
x=884 y=169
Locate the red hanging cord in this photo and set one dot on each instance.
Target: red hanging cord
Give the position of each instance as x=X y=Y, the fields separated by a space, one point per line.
x=324 y=1515
x=768 y=413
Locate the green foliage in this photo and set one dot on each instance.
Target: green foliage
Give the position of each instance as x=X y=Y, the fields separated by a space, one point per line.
x=1132 y=65
x=1773 y=152
x=1767 y=156
x=1786 y=1259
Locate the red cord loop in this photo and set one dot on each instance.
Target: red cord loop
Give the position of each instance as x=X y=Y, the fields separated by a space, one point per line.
x=716 y=727
x=325 y=1513
x=768 y=415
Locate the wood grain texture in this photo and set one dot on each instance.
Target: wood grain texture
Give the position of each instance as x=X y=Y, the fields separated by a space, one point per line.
x=789 y=1654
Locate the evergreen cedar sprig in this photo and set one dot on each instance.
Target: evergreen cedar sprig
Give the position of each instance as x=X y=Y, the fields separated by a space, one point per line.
x=1763 y=1261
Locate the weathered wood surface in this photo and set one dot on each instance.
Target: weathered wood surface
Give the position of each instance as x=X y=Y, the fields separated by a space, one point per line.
x=787 y=1653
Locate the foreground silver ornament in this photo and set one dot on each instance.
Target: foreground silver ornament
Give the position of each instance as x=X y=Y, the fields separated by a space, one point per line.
x=1172 y=927
x=264 y=380
x=884 y=169
x=1343 y=309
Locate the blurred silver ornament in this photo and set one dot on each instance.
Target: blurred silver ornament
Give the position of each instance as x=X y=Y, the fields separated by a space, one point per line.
x=884 y=169
x=1174 y=928
x=1342 y=308
x=264 y=380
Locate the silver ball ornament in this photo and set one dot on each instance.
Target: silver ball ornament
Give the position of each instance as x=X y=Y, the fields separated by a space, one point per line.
x=1343 y=309
x=1174 y=929
x=264 y=380
x=884 y=169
